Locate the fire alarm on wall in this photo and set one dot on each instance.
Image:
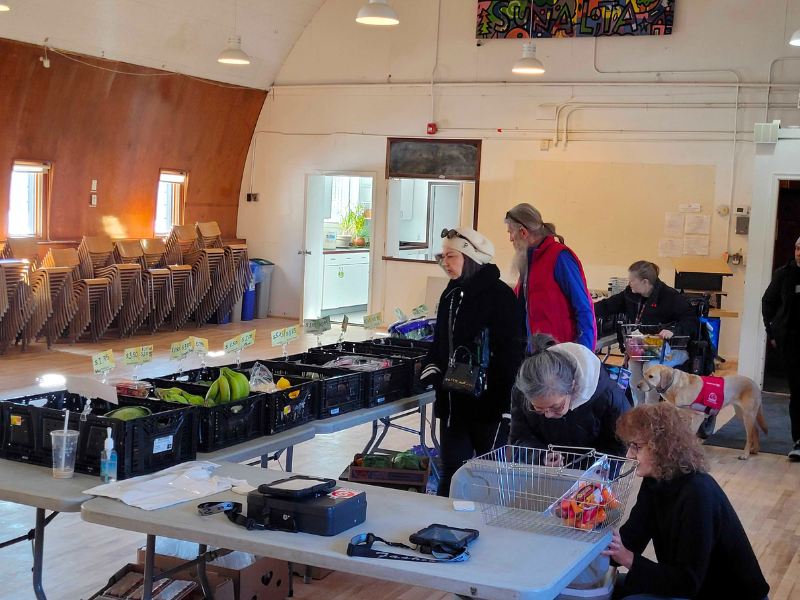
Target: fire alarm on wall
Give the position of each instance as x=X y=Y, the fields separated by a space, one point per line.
x=431 y=128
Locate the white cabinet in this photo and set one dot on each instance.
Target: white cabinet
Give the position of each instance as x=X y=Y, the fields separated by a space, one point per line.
x=345 y=280
x=406 y=199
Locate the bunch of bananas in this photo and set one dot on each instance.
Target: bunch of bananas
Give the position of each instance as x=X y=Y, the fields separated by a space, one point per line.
x=180 y=396
x=230 y=386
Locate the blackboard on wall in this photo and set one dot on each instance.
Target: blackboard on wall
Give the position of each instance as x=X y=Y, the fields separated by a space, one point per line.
x=433 y=159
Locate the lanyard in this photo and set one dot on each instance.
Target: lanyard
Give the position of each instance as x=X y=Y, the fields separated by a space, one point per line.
x=361 y=545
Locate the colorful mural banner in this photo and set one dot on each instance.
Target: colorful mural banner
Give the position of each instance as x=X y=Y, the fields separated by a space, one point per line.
x=573 y=18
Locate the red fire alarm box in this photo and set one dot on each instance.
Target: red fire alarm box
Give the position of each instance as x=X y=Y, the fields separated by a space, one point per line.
x=431 y=128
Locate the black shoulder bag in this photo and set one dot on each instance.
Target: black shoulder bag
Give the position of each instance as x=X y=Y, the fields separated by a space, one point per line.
x=467 y=374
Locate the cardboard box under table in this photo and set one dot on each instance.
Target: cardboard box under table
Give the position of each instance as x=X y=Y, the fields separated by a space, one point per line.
x=222 y=587
x=396 y=478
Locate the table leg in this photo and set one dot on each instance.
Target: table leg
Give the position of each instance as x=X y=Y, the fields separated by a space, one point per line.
x=289 y=457
x=201 y=574
x=149 y=562
x=38 y=555
x=371 y=441
x=307 y=576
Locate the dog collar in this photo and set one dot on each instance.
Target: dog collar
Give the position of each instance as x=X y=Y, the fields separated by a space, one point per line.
x=669 y=385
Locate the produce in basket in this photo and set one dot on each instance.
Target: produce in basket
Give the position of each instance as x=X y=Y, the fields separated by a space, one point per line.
x=229 y=386
x=261 y=379
x=180 y=396
x=408 y=461
x=283 y=384
x=376 y=461
x=586 y=504
x=128 y=413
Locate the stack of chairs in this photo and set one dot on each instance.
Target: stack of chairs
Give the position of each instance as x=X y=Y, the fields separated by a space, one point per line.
x=179 y=300
x=211 y=237
x=212 y=267
x=19 y=301
x=156 y=282
x=90 y=304
x=127 y=299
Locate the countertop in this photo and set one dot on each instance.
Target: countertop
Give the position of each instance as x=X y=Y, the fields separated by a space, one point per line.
x=347 y=250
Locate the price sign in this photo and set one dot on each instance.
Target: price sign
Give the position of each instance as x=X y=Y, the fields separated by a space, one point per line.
x=278 y=336
x=232 y=345
x=175 y=351
x=132 y=356
x=401 y=316
x=247 y=339
x=103 y=362
x=345 y=323
x=420 y=311
x=291 y=334
x=187 y=346
x=373 y=321
x=145 y=354
x=200 y=345
x=317 y=326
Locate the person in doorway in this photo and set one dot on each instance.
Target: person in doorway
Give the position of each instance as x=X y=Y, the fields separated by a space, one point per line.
x=564 y=397
x=474 y=303
x=701 y=547
x=552 y=286
x=649 y=301
x=781 y=309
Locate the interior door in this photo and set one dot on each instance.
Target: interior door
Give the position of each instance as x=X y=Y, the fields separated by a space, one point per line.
x=445 y=204
x=312 y=246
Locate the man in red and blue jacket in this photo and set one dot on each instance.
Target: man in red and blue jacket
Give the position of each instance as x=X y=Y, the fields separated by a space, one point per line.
x=552 y=284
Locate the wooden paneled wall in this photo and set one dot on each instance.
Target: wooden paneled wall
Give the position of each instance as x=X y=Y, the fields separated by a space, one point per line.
x=121 y=130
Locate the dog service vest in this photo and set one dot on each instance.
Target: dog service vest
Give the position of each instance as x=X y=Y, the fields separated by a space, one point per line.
x=711 y=397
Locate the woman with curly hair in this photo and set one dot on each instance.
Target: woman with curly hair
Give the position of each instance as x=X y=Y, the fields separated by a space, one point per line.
x=702 y=549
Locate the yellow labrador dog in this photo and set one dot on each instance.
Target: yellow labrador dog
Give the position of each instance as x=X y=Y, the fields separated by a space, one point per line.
x=682 y=389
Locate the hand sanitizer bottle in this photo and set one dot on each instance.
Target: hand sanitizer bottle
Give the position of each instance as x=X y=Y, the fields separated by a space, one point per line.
x=108 y=461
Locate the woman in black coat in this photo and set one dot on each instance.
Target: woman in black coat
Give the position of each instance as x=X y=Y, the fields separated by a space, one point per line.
x=701 y=547
x=650 y=301
x=564 y=397
x=475 y=301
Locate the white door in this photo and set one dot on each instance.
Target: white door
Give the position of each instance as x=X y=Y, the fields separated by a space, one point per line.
x=312 y=247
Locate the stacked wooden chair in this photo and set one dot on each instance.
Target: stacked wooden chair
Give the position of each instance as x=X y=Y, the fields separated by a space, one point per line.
x=128 y=297
x=19 y=301
x=211 y=237
x=156 y=282
x=179 y=301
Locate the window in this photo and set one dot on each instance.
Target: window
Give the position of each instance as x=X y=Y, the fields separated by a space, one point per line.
x=344 y=196
x=170 y=201
x=29 y=191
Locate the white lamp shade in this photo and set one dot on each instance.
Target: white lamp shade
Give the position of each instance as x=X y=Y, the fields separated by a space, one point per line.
x=528 y=64
x=234 y=55
x=377 y=12
x=795 y=41
x=4 y=7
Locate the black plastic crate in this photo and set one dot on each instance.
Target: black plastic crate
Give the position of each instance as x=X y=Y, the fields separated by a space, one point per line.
x=285 y=410
x=221 y=425
x=340 y=390
x=144 y=445
x=381 y=386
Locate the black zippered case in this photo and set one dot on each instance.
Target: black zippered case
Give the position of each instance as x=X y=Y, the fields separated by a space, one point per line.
x=328 y=514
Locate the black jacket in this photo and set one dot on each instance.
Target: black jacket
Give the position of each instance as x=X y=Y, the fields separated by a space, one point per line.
x=776 y=304
x=665 y=305
x=702 y=549
x=590 y=425
x=481 y=301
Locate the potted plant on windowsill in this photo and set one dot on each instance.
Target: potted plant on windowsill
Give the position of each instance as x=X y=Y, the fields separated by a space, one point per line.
x=352 y=225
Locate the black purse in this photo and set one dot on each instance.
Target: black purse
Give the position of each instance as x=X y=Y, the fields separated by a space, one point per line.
x=466 y=375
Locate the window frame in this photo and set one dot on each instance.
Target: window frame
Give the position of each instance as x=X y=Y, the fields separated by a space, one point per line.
x=178 y=207
x=42 y=194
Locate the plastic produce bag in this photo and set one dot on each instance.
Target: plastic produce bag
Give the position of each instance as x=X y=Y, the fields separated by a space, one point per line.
x=360 y=363
x=408 y=461
x=261 y=379
x=586 y=503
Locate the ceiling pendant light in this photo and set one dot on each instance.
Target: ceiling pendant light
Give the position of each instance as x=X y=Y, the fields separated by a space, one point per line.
x=528 y=64
x=233 y=54
x=4 y=7
x=795 y=41
x=377 y=12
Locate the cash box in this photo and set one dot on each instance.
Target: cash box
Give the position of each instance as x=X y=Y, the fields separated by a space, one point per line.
x=327 y=512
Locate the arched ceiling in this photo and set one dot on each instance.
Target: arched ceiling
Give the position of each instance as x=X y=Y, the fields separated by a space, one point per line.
x=185 y=36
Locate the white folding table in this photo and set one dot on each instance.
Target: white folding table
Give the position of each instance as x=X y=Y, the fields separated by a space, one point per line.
x=263 y=446
x=506 y=564
x=35 y=486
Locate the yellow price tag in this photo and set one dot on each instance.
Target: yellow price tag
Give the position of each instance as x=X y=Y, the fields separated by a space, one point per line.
x=201 y=345
x=373 y=321
x=175 y=351
x=132 y=357
x=291 y=334
x=145 y=354
x=278 y=337
x=187 y=346
x=247 y=339
x=232 y=345
x=103 y=361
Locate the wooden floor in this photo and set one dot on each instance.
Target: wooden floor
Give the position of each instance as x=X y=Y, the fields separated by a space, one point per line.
x=79 y=557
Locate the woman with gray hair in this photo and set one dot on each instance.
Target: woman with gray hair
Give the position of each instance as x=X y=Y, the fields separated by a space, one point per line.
x=552 y=287
x=564 y=397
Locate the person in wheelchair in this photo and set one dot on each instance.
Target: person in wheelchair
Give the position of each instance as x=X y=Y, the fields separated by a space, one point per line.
x=649 y=301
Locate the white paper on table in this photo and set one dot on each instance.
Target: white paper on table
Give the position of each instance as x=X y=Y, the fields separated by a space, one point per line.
x=181 y=483
x=698 y=224
x=670 y=247
x=690 y=208
x=673 y=224
x=696 y=245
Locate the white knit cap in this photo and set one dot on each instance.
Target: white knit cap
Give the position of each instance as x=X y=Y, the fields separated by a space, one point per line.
x=470 y=243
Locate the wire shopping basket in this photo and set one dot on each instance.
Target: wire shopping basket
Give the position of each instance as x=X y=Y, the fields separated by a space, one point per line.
x=642 y=342
x=581 y=496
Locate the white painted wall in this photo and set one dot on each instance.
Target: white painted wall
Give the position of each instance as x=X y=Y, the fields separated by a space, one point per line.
x=317 y=128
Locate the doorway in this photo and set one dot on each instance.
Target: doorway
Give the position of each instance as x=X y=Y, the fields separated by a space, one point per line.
x=787 y=230
x=337 y=247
